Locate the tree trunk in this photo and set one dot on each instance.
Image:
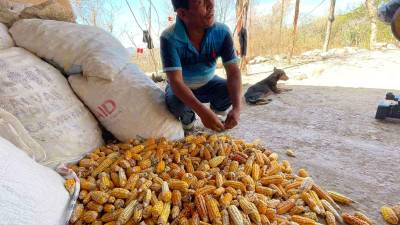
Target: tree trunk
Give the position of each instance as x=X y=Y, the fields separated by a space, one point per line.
x=331 y=18
x=281 y=24
x=372 y=8
x=294 y=36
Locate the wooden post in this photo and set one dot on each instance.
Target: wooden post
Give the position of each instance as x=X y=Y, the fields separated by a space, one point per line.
x=372 y=8
x=294 y=35
x=281 y=24
x=331 y=18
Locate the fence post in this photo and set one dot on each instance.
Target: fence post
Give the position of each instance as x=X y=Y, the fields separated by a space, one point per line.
x=294 y=36
x=331 y=18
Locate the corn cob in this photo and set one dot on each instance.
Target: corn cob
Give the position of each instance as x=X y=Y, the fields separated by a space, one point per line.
x=70 y=185
x=352 y=220
x=330 y=218
x=256 y=173
x=175 y=212
x=303 y=173
x=157 y=209
x=311 y=215
x=235 y=185
x=235 y=215
x=137 y=214
x=87 y=185
x=234 y=166
x=120 y=193
x=176 y=198
x=303 y=220
x=77 y=213
x=110 y=159
x=317 y=201
x=216 y=161
x=166 y=194
x=361 y=216
x=250 y=209
x=225 y=217
x=163 y=219
x=265 y=191
x=226 y=199
x=132 y=182
x=339 y=198
x=310 y=202
x=274 y=179
x=396 y=210
x=147 y=197
x=93 y=206
x=389 y=215
x=90 y=216
x=121 y=177
x=126 y=213
x=285 y=207
x=201 y=207
x=109 y=208
x=297 y=210
x=178 y=185
x=99 y=197
x=219 y=180
x=324 y=195
x=205 y=190
x=119 y=203
x=329 y=207
x=219 y=191
x=213 y=212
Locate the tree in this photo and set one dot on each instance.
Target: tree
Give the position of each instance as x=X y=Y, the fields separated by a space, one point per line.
x=294 y=35
x=372 y=8
x=223 y=9
x=331 y=18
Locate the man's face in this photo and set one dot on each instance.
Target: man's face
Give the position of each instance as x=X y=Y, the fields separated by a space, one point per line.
x=200 y=13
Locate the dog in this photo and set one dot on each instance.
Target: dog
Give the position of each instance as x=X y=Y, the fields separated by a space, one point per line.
x=257 y=94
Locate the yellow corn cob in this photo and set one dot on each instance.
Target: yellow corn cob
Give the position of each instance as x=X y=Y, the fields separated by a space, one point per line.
x=235 y=185
x=87 y=185
x=249 y=165
x=176 y=198
x=206 y=154
x=259 y=158
x=137 y=214
x=77 y=213
x=396 y=210
x=93 y=206
x=303 y=173
x=219 y=180
x=163 y=219
x=352 y=220
x=216 y=161
x=90 y=216
x=109 y=208
x=317 y=201
x=115 y=179
x=310 y=202
x=234 y=166
x=303 y=220
x=271 y=214
x=157 y=209
x=144 y=164
x=119 y=203
x=70 y=185
x=311 y=215
x=256 y=173
x=247 y=180
x=122 y=177
x=219 y=191
x=201 y=207
x=205 y=190
x=127 y=213
x=329 y=207
x=104 y=182
x=293 y=185
x=87 y=163
x=235 y=215
x=213 y=211
x=297 y=210
x=166 y=194
x=145 y=185
x=285 y=207
x=147 y=197
x=147 y=211
x=225 y=217
x=339 y=198
x=324 y=195
x=178 y=185
x=120 y=193
x=110 y=159
x=389 y=215
x=262 y=207
x=160 y=166
x=274 y=179
x=189 y=166
x=226 y=199
x=330 y=218
x=361 y=216
x=99 y=197
x=265 y=190
x=132 y=182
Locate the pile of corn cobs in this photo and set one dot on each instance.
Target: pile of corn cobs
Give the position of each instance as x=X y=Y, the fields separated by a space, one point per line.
x=204 y=179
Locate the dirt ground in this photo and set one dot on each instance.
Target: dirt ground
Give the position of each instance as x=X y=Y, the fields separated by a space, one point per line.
x=335 y=136
x=332 y=129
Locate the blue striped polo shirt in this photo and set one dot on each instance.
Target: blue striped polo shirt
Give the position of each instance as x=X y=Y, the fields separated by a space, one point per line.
x=178 y=53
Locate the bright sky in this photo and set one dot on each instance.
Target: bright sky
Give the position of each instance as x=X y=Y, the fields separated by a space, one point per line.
x=124 y=21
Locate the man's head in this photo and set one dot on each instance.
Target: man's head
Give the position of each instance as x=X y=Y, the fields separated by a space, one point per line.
x=195 y=13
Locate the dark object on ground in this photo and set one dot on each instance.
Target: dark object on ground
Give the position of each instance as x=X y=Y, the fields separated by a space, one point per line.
x=243 y=42
x=258 y=93
x=157 y=78
x=389 y=108
x=396 y=24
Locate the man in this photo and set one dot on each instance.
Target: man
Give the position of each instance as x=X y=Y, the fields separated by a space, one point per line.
x=189 y=52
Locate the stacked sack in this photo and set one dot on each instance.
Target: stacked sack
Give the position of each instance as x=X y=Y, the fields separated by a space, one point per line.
x=119 y=94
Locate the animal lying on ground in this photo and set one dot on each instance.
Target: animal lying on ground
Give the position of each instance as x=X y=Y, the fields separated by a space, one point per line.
x=258 y=93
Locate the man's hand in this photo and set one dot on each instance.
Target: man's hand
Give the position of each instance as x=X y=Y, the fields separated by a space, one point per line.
x=211 y=120
x=232 y=119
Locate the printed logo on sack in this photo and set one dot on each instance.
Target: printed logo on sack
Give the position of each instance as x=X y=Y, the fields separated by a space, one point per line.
x=106 y=109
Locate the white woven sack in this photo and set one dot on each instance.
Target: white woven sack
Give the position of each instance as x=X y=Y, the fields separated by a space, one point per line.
x=31 y=194
x=74 y=48
x=5 y=39
x=41 y=99
x=132 y=105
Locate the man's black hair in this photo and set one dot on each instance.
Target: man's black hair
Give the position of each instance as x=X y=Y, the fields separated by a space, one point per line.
x=180 y=4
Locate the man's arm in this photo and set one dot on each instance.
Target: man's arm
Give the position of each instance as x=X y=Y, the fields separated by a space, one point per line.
x=235 y=93
x=183 y=92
